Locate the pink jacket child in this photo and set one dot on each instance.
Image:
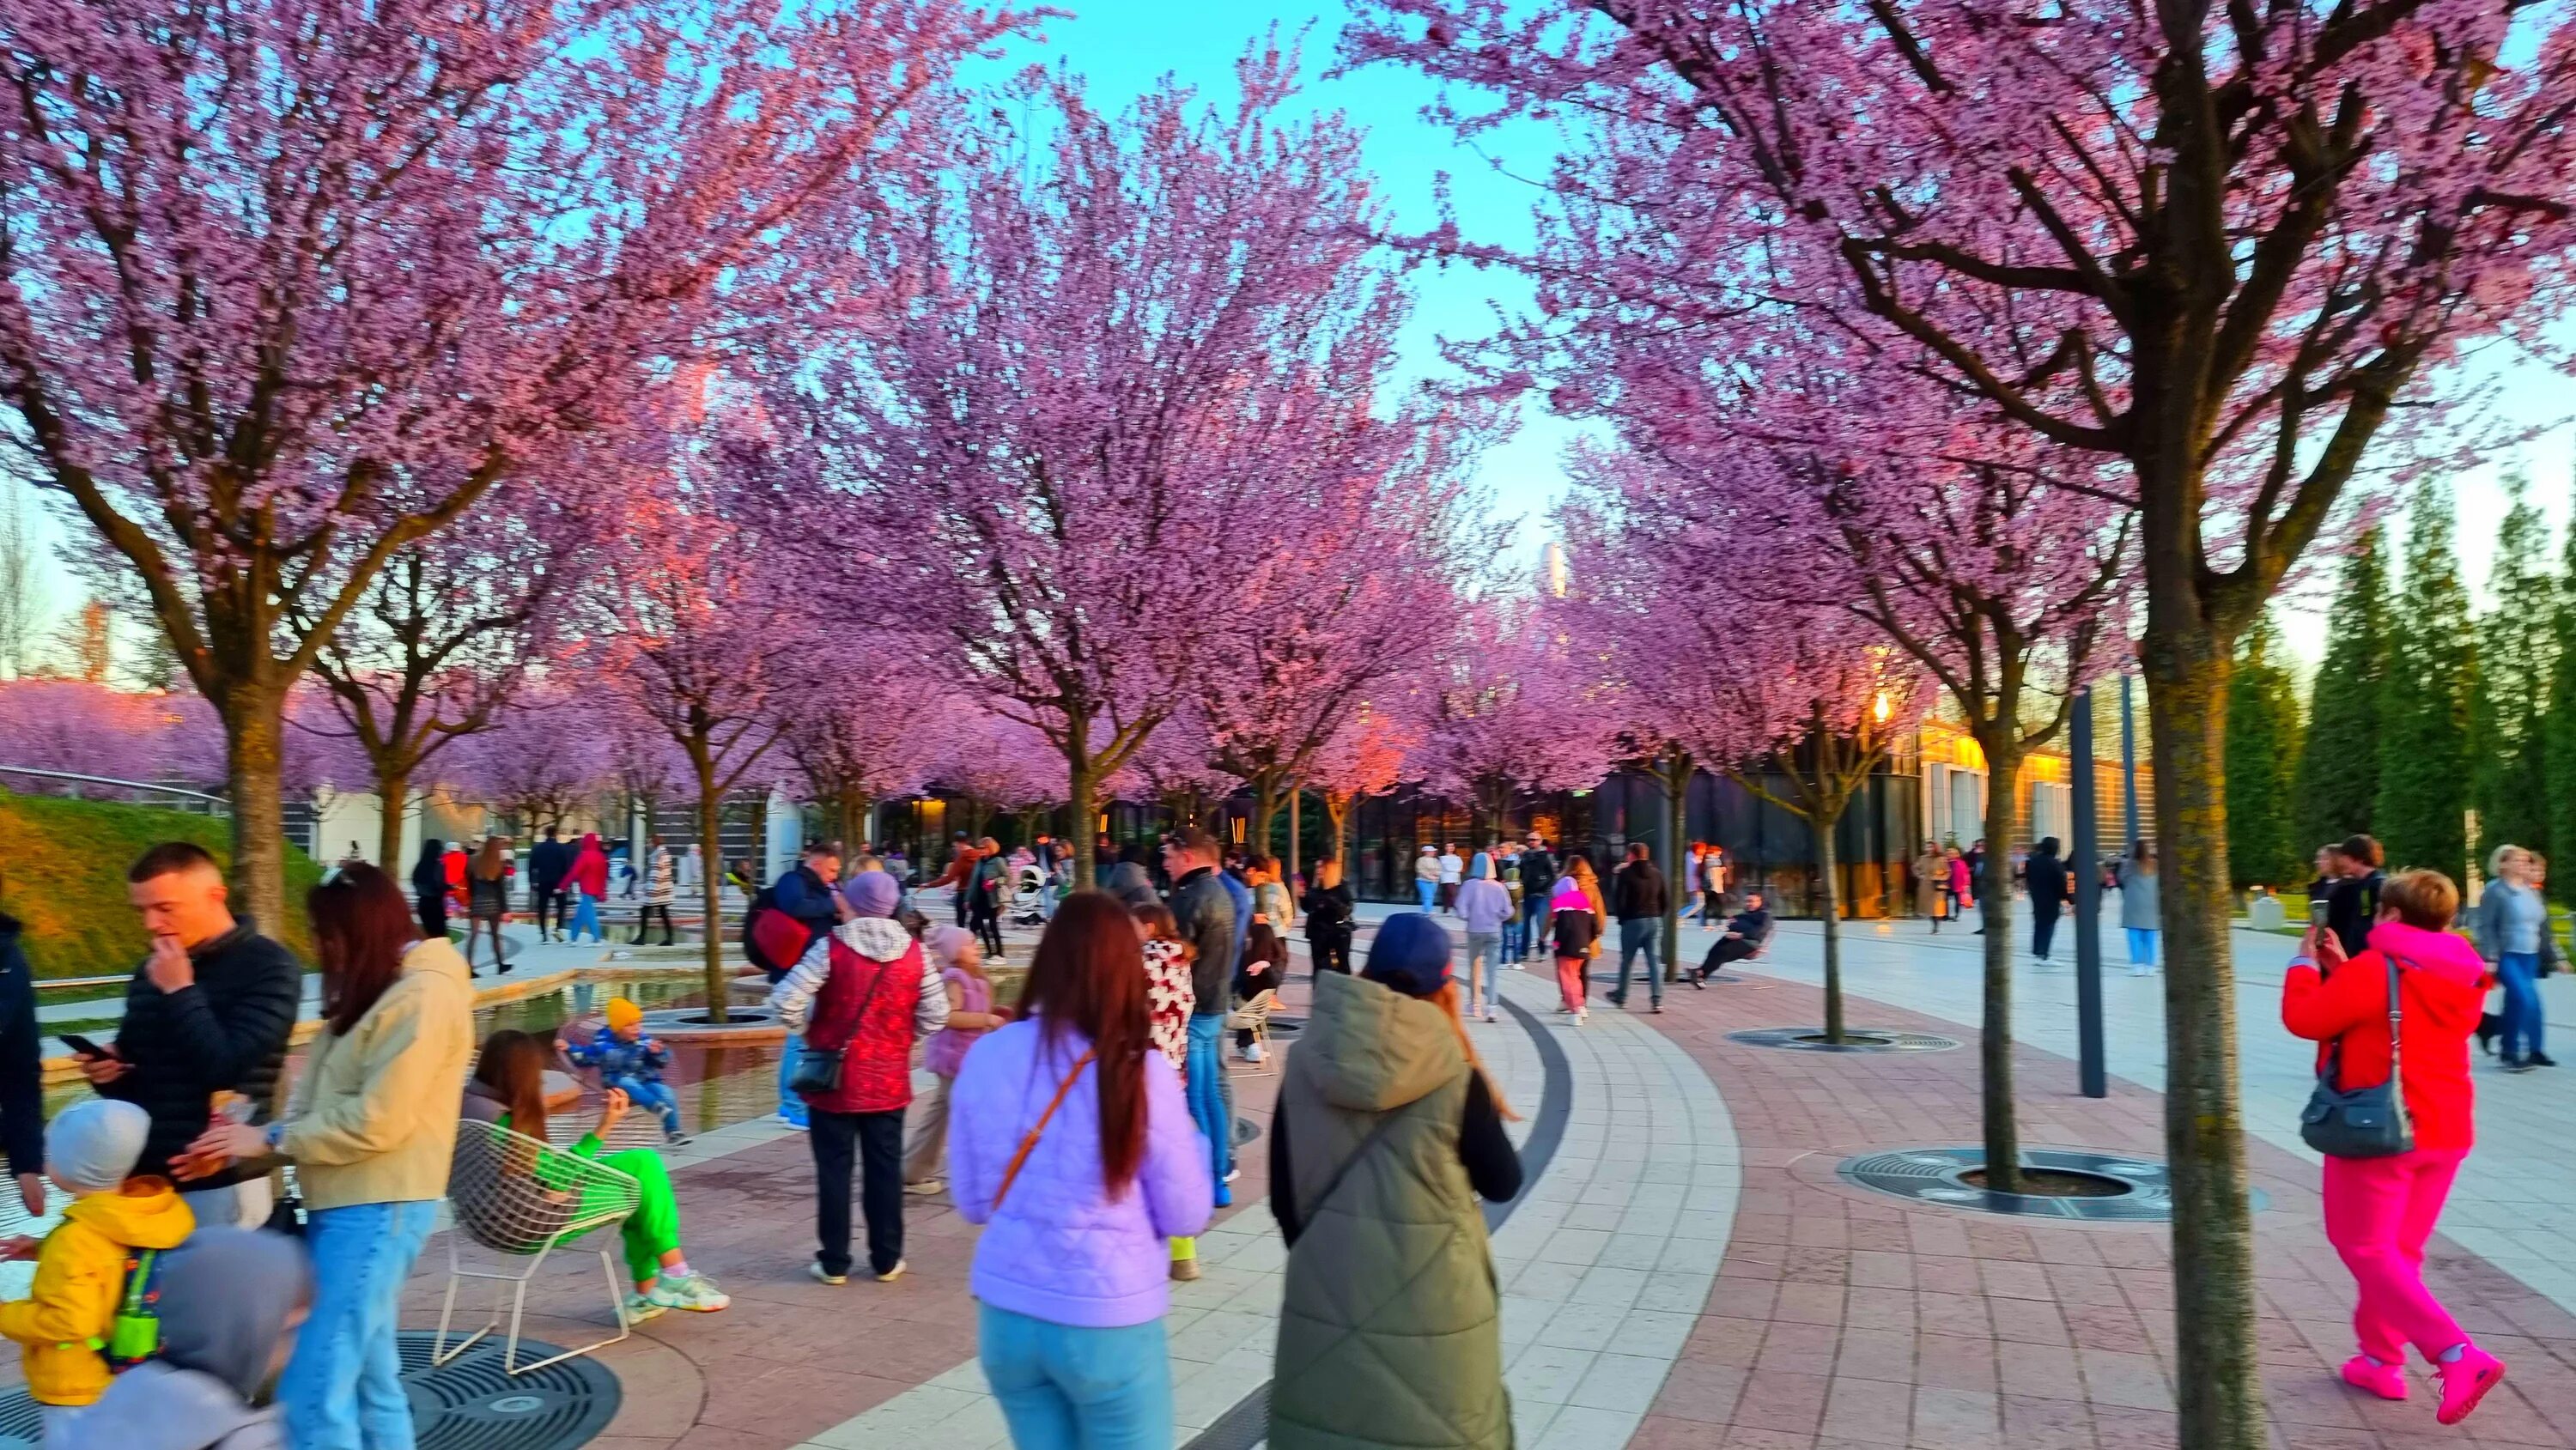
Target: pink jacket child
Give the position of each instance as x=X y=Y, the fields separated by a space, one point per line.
x=1062 y=1249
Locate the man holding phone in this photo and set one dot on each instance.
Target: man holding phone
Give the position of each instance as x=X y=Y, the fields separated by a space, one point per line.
x=208 y=1012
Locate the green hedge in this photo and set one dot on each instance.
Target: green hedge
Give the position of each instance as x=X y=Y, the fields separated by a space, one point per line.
x=62 y=874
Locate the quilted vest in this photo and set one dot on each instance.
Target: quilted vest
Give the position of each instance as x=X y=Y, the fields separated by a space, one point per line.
x=876 y=1075
x=1390 y=1332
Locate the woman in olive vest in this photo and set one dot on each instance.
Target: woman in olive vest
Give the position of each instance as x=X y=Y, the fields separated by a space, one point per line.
x=1387 y=1134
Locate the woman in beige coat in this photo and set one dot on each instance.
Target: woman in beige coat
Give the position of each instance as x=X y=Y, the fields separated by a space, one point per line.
x=1931 y=873
x=369 y=1128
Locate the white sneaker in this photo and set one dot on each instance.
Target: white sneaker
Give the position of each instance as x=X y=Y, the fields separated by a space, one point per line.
x=697 y=1293
x=890 y=1275
x=1232 y=1174
x=640 y=1307
x=925 y=1188
x=815 y=1271
x=1581 y=1016
x=1489 y=1015
x=800 y=1125
x=1252 y=1052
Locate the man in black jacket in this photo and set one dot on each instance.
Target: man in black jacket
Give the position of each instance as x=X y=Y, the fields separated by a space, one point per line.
x=208 y=1012
x=1638 y=901
x=1745 y=934
x=22 y=1072
x=1204 y=911
x=1538 y=882
x=548 y=862
x=2050 y=885
x=2352 y=905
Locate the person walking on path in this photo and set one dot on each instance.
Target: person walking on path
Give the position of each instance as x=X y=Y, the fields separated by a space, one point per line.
x=1387 y=1135
x=548 y=861
x=370 y=1130
x=429 y=887
x=1070 y=1143
x=988 y=882
x=509 y=1088
x=2379 y=1211
x=231 y=1303
x=1962 y=888
x=2511 y=926
x=1453 y=870
x=2141 y=906
x=585 y=885
x=1484 y=905
x=1330 y=911
x=2049 y=888
x=1578 y=918
x=863 y=993
x=22 y=1072
x=959 y=959
x=1931 y=879
x=487 y=900
x=661 y=887
x=1426 y=878
x=208 y=1012
x=1639 y=901
x=962 y=860
x=1538 y=885
x=1204 y=912
x=1507 y=870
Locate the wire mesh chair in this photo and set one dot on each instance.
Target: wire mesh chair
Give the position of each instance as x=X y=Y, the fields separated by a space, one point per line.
x=1254 y=1017
x=523 y=1199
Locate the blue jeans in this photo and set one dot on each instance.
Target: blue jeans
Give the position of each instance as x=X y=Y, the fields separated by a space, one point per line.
x=790 y=1052
x=1641 y=934
x=1512 y=936
x=1069 y=1388
x=1207 y=1090
x=2142 y=946
x=2519 y=973
x=1428 y=891
x=343 y=1387
x=1533 y=921
x=585 y=917
x=652 y=1097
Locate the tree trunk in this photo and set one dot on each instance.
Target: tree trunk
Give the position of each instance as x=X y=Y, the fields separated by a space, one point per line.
x=1830 y=896
x=393 y=792
x=2187 y=666
x=1994 y=906
x=1337 y=815
x=255 y=731
x=1674 y=774
x=1266 y=797
x=1086 y=816
x=712 y=888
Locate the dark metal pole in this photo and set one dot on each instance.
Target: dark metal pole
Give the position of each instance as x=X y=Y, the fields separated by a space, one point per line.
x=2088 y=899
x=2128 y=769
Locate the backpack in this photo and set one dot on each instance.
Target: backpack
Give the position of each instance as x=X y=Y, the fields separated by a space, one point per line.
x=771 y=939
x=135 y=1334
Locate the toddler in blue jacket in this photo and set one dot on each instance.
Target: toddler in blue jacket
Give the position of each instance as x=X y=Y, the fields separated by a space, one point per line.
x=630 y=1062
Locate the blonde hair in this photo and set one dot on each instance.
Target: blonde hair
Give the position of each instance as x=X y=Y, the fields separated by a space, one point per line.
x=2421 y=898
x=2501 y=854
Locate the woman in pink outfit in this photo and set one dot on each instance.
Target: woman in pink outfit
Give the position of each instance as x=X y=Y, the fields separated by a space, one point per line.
x=2379 y=1211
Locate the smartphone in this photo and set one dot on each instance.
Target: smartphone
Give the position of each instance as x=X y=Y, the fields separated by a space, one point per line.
x=83 y=1045
x=2318 y=906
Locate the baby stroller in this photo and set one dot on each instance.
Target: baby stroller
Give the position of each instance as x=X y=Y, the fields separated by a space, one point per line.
x=1028 y=897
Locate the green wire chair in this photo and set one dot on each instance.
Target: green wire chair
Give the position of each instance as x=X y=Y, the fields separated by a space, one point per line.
x=524 y=1199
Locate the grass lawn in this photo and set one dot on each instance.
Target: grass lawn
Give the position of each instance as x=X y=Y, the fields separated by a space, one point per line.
x=62 y=874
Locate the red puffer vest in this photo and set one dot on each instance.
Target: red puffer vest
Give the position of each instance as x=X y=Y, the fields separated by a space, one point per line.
x=876 y=1075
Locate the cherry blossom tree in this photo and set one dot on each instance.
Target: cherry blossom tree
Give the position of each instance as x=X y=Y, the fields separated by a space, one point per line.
x=1515 y=705
x=79 y=727
x=1062 y=441
x=866 y=721
x=547 y=753
x=1179 y=768
x=288 y=287
x=997 y=762
x=2229 y=250
x=1365 y=756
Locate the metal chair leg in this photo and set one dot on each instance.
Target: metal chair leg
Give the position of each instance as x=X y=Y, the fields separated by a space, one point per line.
x=616 y=1304
x=439 y=1352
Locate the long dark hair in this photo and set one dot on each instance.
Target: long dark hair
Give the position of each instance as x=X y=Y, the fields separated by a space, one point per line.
x=492 y=860
x=1089 y=977
x=513 y=1065
x=361 y=928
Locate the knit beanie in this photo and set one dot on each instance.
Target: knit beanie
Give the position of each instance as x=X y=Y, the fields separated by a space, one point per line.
x=93 y=1146
x=947 y=942
x=622 y=1014
x=1411 y=955
x=872 y=893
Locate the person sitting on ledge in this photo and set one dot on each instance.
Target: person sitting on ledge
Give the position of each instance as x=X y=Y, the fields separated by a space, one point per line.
x=1744 y=937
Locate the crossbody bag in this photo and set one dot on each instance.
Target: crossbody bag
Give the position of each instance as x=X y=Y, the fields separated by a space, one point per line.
x=2362 y=1122
x=1029 y=1144
x=818 y=1071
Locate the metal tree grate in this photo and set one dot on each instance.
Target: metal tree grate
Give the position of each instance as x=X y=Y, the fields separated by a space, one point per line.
x=1855 y=1039
x=465 y=1404
x=1938 y=1175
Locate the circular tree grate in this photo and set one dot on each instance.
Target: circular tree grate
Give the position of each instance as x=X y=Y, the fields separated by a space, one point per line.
x=1855 y=1039
x=2139 y=1190
x=1283 y=1026
x=469 y=1403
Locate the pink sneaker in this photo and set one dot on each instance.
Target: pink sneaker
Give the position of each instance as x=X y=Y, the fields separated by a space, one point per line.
x=2388 y=1381
x=2465 y=1381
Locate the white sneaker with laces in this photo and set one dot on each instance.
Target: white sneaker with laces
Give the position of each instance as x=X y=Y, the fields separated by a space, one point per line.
x=640 y=1307
x=924 y=1188
x=697 y=1293
x=890 y=1275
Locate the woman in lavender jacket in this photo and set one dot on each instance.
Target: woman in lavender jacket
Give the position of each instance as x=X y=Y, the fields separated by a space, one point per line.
x=1072 y=1272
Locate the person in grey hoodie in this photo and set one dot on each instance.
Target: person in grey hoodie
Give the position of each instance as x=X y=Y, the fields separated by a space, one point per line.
x=2141 y=906
x=231 y=1300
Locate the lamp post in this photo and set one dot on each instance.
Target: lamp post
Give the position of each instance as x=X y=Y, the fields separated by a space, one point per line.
x=2088 y=899
x=2128 y=767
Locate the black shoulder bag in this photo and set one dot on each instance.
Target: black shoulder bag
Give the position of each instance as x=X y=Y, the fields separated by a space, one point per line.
x=2363 y=1122
x=818 y=1072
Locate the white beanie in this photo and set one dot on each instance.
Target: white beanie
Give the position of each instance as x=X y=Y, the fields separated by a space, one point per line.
x=93 y=1146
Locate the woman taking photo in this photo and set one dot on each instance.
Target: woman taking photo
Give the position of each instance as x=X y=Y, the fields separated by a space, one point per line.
x=369 y=1128
x=1387 y=1135
x=1070 y=1142
x=2380 y=1210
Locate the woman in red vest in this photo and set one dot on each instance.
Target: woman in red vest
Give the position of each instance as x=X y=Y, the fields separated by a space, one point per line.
x=862 y=993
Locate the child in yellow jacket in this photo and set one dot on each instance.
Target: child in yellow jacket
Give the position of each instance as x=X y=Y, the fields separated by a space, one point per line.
x=63 y=1322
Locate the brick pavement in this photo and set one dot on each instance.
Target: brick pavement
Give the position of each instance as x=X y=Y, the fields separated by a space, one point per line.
x=1842 y=1319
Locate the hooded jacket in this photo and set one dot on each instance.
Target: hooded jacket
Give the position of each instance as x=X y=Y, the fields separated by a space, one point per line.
x=868 y=987
x=373 y=1119
x=1390 y=1331
x=2441 y=991
x=225 y=1297
x=588 y=873
x=79 y=1275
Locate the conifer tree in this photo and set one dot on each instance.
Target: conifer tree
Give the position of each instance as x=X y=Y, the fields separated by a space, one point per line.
x=2263 y=731
x=2424 y=761
x=2517 y=661
x=2558 y=733
x=2337 y=787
